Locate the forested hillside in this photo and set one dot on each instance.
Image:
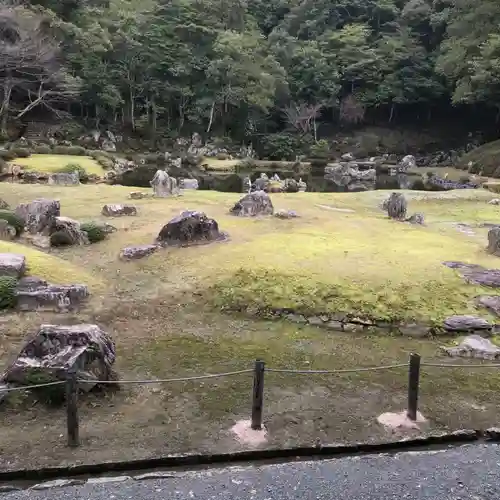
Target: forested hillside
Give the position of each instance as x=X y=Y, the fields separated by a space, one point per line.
x=244 y=67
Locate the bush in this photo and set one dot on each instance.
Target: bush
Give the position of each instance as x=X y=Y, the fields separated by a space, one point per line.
x=230 y=184
x=7 y=155
x=13 y=220
x=321 y=149
x=21 y=152
x=222 y=156
x=138 y=177
x=42 y=149
x=282 y=146
x=105 y=162
x=60 y=239
x=74 y=167
x=94 y=232
x=70 y=150
x=7 y=292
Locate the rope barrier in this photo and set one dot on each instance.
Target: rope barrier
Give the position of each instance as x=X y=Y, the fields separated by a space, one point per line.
x=326 y=372
x=445 y=365
x=25 y=387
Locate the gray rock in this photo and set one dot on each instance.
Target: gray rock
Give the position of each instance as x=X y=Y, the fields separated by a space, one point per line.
x=473 y=273
x=296 y=318
x=494 y=201
x=494 y=241
x=116 y=210
x=138 y=195
x=335 y=325
x=106 y=228
x=474 y=346
x=190 y=228
x=347 y=157
x=3 y=205
x=106 y=480
x=12 y=264
x=34 y=294
x=71 y=228
x=490 y=302
x=414 y=330
x=407 y=163
x=253 y=204
x=56 y=483
x=39 y=215
x=7 y=232
x=286 y=214
x=56 y=348
x=417 y=218
x=465 y=323
x=137 y=252
x=189 y=184
x=315 y=321
x=64 y=179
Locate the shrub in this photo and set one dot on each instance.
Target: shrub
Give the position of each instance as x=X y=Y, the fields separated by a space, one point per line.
x=13 y=220
x=105 y=162
x=94 y=232
x=321 y=149
x=138 y=177
x=21 y=152
x=7 y=292
x=7 y=155
x=282 y=146
x=74 y=167
x=222 y=156
x=42 y=149
x=230 y=184
x=474 y=169
x=70 y=150
x=60 y=239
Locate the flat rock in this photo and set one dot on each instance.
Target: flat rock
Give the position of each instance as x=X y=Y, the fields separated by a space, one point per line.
x=139 y=195
x=490 y=302
x=465 y=323
x=189 y=184
x=115 y=210
x=12 y=264
x=473 y=273
x=474 y=346
x=190 y=228
x=35 y=294
x=137 y=252
x=64 y=179
x=253 y=204
x=286 y=214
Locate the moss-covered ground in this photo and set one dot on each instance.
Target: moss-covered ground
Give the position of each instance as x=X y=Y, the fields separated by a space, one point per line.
x=53 y=163
x=164 y=314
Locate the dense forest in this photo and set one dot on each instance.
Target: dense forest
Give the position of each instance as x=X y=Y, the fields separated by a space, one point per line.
x=244 y=67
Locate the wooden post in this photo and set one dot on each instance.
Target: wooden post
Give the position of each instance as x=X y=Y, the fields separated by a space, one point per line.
x=258 y=394
x=413 y=383
x=72 y=407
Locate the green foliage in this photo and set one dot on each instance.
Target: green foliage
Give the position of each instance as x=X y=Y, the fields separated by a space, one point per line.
x=281 y=146
x=232 y=183
x=94 y=231
x=320 y=149
x=7 y=155
x=69 y=150
x=13 y=220
x=60 y=239
x=7 y=292
x=72 y=168
x=42 y=149
x=21 y=152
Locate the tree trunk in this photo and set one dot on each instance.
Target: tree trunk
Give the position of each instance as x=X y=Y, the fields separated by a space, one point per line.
x=210 y=123
x=4 y=109
x=154 y=114
x=391 y=114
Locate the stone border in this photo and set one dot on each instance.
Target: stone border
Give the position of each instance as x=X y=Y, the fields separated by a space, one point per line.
x=57 y=477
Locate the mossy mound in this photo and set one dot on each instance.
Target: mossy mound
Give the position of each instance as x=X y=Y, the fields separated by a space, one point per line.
x=486 y=157
x=54 y=163
x=49 y=267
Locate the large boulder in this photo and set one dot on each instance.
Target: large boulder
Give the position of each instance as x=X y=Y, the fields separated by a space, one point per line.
x=189 y=184
x=56 y=348
x=474 y=346
x=35 y=294
x=253 y=204
x=116 y=210
x=407 y=163
x=164 y=185
x=465 y=323
x=494 y=241
x=64 y=179
x=71 y=228
x=12 y=264
x=190 y=228
x=397 y=206
x=39 y=215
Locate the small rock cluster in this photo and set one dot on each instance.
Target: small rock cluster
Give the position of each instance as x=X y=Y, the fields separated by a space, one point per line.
x=29 y=293
x=397 y=207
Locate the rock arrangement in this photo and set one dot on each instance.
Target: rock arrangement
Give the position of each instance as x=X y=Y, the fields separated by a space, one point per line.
x=253 y=204
x=33 y=294
x=351 y=175
x=190 y=228
x=54 y=349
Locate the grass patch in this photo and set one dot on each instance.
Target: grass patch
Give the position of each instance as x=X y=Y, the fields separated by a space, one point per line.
x=54 y=163
x=49 y=267
x=486 y=157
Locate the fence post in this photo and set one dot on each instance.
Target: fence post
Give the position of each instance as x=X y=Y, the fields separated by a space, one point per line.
x=72 y=407
x=413 y=383
x=258 y=394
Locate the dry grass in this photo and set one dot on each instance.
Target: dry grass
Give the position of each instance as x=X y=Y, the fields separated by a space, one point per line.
x=52 y=163
x=157 y=311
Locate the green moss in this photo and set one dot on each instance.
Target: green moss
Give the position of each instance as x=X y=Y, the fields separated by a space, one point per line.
x=7 y=292
x=60 y=239
x=486 y=157
x=94 y=232
x=13 y=220
x=75 y=168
